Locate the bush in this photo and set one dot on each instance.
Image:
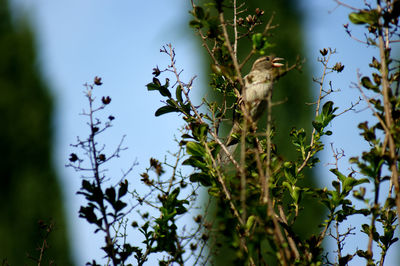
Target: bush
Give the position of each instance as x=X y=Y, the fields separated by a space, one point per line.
x=244 y=172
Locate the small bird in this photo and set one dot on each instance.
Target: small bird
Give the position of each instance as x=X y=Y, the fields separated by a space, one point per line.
x=257 y=91
x=258 y=84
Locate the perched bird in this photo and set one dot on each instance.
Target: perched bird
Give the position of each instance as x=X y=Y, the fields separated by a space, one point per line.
x=256 y=92
x=258 y=84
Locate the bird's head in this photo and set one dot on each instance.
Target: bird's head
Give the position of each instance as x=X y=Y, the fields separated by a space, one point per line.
x=267 y=63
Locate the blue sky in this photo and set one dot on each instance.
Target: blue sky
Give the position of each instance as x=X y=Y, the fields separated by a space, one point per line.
x=120 y=41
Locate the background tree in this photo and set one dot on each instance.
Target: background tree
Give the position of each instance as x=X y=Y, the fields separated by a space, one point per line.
x=29 y=190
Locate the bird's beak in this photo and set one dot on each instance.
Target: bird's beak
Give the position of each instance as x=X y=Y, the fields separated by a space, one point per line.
x=275 y=62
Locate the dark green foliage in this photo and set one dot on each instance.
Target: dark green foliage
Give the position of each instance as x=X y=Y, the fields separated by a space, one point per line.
x=29 y=190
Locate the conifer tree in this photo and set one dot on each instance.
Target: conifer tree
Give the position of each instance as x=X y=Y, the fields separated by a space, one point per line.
x=30 y=196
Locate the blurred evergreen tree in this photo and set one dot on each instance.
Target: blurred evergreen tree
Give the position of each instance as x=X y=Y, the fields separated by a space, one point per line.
x=29 y=189
x=294 y=90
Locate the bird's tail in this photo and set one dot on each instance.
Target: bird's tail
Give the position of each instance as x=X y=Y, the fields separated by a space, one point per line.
x=224 y=157
x=231 y=143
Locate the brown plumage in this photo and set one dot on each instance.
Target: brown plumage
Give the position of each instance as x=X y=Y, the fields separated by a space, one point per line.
x=257 y=89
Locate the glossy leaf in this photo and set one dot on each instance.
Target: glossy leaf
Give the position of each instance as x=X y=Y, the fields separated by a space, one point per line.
x=195 y=149
x=366 y=82
x=201 y=178
x=166 y=109
x=178 y=94
x=370 y=17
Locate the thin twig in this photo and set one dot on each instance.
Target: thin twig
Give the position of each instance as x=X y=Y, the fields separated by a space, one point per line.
x=325 y=62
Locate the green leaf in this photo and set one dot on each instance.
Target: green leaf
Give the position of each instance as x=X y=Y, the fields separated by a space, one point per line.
x=186 y=136
x=250 y=222
x=119 y=205
x=89 y=215
x=336 y=185
x=290 y=174
x=199 y=131
x=213 y=27
x=166 y=109
x=351 y=182
x=294 y=191
x=214 y=147
x=86 y=185
x=366 y=82
x=257 y=40
x=370 y=17
x=327 y=108
x=345 y=260
x=165 y=92
x=196 y=162
x=326 y=116
x=199 y=12
x=336 y=172
x=156 y=85
x=196 y=24
x=214 y=191
x=110 y=194
x=362 y=253
x=365 y=228
x=152 y=87
x=195 y=149
x=260 y=43
x=317 y=125
x=202 y=178
x=123 y=189
x=178 y=94
x=157 y=82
